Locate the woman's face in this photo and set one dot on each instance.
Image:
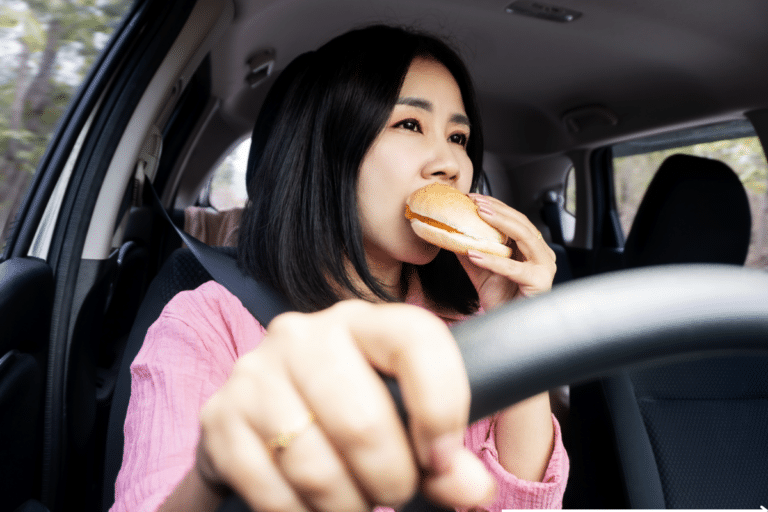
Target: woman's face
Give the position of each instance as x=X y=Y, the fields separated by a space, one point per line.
x=423 y=141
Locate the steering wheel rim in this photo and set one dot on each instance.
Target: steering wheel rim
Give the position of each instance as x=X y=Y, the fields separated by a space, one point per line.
x=598 y=325
x=595 y=326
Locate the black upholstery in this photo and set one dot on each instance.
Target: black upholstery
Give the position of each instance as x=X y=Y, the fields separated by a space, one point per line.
x=706 y=424
x=692 y=434
x=180 y=272
x=563 y=273
x=25 y=308
x=694 y=211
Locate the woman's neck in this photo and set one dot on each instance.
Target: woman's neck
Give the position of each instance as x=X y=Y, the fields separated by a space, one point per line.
x=389 y=277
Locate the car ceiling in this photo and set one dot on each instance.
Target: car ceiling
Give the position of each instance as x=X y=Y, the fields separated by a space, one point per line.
x=648 y=63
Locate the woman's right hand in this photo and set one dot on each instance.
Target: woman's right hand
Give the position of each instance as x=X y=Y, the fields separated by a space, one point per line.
x=315 y=376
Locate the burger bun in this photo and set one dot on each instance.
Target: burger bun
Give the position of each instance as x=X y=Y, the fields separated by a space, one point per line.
x=447 y=218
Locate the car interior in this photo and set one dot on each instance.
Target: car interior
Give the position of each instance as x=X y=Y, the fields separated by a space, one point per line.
x=570 y=93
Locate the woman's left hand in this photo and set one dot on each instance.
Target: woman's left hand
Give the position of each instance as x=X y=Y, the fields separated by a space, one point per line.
x=528 y=272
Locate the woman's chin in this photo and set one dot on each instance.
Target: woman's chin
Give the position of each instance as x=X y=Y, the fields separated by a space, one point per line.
x=424 y=253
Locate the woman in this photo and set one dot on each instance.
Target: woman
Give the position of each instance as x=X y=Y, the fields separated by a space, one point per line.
x=295 y=417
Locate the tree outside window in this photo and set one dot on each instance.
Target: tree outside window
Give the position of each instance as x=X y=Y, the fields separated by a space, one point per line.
x=46 y=49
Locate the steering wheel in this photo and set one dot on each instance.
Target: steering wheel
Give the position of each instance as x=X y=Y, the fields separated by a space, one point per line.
x=594 y=326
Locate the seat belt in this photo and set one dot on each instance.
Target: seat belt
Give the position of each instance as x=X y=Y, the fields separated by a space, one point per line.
x=260 y=299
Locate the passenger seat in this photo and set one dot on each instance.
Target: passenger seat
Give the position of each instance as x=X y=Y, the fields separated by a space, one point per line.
x=694 y=211
x=688 y=434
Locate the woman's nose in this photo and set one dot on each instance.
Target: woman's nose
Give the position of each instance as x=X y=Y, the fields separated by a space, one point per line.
x=444 y=164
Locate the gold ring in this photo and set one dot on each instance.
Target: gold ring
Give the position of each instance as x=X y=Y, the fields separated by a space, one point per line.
x=538 y=235
x=282 y=440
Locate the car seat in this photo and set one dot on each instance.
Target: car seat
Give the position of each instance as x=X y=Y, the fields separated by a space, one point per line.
x=687 y=434
x=694 y=211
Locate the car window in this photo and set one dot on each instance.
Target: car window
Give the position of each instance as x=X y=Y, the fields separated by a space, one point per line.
x=46 y=50
x=568 y=213
x=734 y=143
x=226 y=188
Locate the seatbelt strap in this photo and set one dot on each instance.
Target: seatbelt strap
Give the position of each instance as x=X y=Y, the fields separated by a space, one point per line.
x=260 y=299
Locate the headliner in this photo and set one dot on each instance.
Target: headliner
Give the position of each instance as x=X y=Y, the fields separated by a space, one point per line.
x=650 y=62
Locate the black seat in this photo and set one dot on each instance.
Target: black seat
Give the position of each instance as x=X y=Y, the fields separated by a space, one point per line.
x=688 y=434
x=694 y=211
x=693 y=435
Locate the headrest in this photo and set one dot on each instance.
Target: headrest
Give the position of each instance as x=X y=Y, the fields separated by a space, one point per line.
x=694 y=211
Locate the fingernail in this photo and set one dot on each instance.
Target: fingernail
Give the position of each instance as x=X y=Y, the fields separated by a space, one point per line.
x=474 y=255
x=484 y=208
x=444 y=450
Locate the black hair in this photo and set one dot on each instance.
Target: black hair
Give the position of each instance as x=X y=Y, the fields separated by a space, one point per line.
x=269 y=109
x=300 y=229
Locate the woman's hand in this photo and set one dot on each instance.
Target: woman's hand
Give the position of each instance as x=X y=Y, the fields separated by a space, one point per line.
x=314 y=381
x=524 y=431
x=530 y=270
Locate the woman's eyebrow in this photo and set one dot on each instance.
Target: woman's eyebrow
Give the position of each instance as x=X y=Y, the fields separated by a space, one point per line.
x=427 y=105
x=416 y=102
x=460 y=119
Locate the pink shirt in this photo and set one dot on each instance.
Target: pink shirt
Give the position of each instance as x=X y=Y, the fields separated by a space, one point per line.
x=188 y=354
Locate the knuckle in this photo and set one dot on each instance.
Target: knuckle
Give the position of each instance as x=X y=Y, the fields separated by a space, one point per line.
x=291 y=333
x=291 y=325
x=349 y=306
x=420 y=320
x=251 y=375
x=362 y=430
x=551 y=268
x=345 y=310
x=317 y=478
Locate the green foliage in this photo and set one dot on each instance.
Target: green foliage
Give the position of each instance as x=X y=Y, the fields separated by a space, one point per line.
x=79 y=21
x=32 y=28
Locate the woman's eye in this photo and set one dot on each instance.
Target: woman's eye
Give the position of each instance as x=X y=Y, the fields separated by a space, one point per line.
x=459 y=138
x=410 y=125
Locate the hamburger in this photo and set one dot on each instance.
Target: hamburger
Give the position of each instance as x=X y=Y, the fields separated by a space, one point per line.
x=443 y=216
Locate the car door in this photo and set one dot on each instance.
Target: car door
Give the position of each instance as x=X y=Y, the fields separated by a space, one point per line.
x=55 y=301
